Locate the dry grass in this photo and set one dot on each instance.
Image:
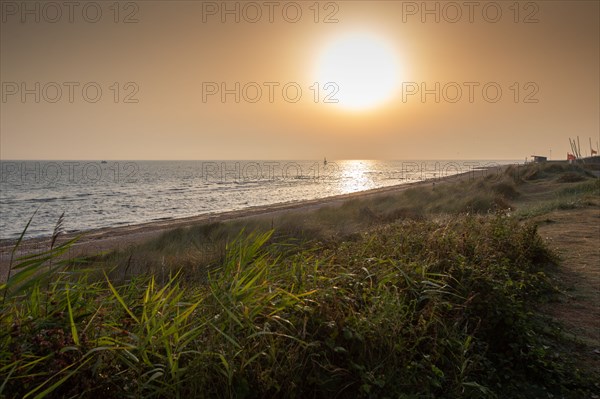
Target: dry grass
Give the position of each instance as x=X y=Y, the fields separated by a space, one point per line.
x=429 y=292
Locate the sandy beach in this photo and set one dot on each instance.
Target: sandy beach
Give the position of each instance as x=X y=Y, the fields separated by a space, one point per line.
x=112 y=238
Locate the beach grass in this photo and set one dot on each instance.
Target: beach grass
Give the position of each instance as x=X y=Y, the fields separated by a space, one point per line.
x=428 y=293
x=203 y=245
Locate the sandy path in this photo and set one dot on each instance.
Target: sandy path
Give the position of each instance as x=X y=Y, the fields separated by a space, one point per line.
x=575 y=236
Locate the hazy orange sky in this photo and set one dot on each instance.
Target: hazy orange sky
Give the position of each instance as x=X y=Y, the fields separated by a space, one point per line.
x=155 y=62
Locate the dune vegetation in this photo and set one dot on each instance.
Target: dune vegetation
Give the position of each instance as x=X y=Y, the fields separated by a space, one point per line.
x=426 y=293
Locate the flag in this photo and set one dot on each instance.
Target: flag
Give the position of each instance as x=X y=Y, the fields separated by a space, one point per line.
x=571 y=157
x=594 y=151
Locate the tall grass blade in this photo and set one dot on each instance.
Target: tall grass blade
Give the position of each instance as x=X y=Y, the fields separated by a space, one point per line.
x=120 y=299
x=74 y=334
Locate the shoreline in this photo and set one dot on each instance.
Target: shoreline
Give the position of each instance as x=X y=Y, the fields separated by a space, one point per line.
x=118 y=237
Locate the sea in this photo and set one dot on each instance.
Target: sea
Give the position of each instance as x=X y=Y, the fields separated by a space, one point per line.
x=98 y=194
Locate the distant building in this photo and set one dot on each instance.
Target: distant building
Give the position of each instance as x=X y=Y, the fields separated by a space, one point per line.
x=539 y=158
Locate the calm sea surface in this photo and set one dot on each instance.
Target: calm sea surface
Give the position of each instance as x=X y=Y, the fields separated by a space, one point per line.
x=95 y=194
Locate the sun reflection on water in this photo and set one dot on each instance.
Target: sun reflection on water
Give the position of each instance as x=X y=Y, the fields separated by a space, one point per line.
x=356 y=175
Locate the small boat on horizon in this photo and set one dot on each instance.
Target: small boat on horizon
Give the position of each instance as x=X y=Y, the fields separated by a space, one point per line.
x=325 y=161
x=103 y=162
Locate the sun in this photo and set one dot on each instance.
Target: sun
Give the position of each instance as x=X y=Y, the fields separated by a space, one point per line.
x=363 y=68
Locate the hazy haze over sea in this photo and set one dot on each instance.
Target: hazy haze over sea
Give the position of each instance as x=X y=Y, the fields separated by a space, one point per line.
x=94 y=194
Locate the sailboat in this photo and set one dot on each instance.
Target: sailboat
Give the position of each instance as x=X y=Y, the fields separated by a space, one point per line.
x=324 y=161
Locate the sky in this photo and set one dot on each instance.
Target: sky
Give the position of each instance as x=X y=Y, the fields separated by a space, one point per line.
x=398 y=80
